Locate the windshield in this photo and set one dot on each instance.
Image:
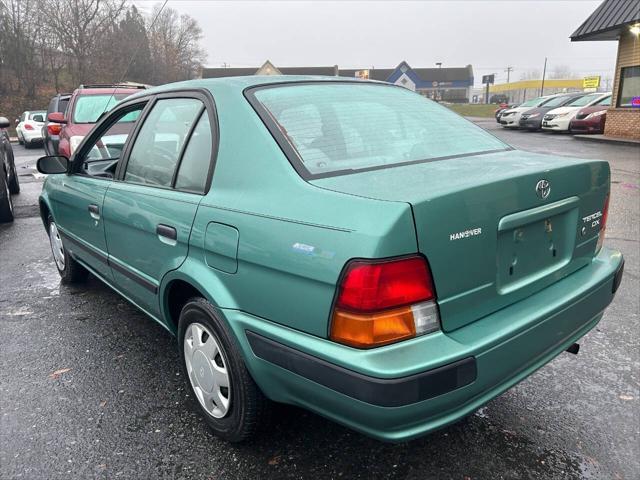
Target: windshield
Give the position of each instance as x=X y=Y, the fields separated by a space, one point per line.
x=583 y=101
x=534 y=102
x=347 y=127
x=557 y=101
x=605 y=102
x=88 y=108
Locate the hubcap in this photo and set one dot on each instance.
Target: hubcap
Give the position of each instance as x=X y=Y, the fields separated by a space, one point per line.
x=56 y=246
x=207 y=370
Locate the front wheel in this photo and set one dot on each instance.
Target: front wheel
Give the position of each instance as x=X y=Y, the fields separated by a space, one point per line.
x=230 y=402
x=69 y=269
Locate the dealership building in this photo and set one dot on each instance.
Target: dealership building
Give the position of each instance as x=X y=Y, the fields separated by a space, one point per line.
x=619 y=20
x=451 y=84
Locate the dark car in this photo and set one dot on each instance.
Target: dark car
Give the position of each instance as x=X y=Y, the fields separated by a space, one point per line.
x=503 y=107
x=8 y=176
x=591 y=119
x=51 y=130
x=532 y=119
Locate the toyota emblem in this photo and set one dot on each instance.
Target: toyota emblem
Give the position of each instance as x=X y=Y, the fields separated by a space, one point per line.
x=543 y=189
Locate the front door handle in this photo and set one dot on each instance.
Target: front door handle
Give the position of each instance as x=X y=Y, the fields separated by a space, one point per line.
x=94 y=211
x=167 y=234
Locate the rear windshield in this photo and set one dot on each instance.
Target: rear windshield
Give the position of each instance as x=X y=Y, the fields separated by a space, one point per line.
x=37 y=116
x=88 y=108
x=558 y=101
x=339 y=128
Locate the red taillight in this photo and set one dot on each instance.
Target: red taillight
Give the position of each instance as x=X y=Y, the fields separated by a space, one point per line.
x=54 y=128
x=603 y=223
x=368 y=287
x=28 y=126
x=381 y=302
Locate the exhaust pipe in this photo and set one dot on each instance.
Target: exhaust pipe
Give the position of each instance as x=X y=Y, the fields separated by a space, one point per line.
x=575 y=348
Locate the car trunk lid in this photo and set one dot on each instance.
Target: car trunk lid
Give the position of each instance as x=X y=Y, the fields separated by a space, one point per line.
x=490 y=234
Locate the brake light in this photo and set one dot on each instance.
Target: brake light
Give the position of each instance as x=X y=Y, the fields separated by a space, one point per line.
x=54 y=128
x=28 y=126
x=381 y=302
x=603 y=224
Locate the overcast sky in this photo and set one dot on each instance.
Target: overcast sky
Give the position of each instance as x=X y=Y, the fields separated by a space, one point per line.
x=490 y=35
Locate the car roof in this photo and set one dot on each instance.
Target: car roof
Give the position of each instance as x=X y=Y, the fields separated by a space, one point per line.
x=242 y=82
x=107 y=90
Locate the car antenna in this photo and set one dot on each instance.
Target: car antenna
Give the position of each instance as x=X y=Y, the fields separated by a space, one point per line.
x=106 y=105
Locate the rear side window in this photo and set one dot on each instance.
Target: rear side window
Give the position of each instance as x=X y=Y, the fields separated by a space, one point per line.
x=62 y=105
x=157 y=147
x=336 y=128
x=194 y=167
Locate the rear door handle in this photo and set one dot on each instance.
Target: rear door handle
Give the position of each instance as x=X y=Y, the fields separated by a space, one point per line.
x=167 y=234
x=94 y=211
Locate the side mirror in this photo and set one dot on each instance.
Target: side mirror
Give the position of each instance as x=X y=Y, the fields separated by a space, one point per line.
x=56 y=117
x=4 y=122
x=52 y=164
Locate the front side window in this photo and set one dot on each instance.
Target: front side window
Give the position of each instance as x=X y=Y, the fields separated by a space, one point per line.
x=88 y=108
x=158 y=146
x=605 y=102
x=339 y=128
x=629 y=86
x=102 y=157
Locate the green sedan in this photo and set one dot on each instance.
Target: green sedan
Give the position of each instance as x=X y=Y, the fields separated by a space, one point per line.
x=346 y=246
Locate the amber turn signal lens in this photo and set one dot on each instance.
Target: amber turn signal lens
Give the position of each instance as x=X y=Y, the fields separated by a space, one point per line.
x=364 y=330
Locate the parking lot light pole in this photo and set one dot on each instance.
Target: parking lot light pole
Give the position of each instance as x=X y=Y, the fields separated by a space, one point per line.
x=544 y=72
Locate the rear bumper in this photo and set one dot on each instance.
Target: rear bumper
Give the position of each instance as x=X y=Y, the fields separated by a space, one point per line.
x=405 y=390
x=32 y=135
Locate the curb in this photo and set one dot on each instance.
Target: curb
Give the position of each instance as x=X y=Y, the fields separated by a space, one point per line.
x=609 y=140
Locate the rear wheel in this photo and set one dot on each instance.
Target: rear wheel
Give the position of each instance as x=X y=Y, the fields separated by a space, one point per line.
x=228 y=399
x=69 y=269
x=20 y=139
x=6 y=205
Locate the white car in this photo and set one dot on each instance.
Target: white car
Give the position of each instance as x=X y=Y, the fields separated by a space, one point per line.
x=511 y=118
x=29 y=128
x=560 y=118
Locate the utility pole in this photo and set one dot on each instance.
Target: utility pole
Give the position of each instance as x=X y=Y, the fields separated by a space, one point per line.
x=544 y=72
x=509 y=70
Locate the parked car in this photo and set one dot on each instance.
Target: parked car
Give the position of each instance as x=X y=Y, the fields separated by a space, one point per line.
x=29 y=127
x=86 y=105
x=51 y=130
x=510 y=118
x=503 y=107
x=558 y=119
x=347 y=246
x=532 y=119
x=9 y=183
x=591 y=119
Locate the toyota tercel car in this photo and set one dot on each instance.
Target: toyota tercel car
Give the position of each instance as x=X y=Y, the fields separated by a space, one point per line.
x=346 y=246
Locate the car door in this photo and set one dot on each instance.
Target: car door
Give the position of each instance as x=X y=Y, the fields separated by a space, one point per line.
x=149 y=212
x=77 y=202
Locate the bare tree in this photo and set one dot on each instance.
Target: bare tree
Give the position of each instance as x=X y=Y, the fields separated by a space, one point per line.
x=79 y=25
x=561 y=72
x=533 y=74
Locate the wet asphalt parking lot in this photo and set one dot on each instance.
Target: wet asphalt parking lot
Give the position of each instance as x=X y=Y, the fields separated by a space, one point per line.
x=91 y=388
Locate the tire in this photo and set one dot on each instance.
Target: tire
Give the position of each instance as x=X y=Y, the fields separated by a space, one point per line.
x=20 y=138
x=27 y=145
x=69 y=269
x=14 y=183
x=207 y=365
x=6 y=204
